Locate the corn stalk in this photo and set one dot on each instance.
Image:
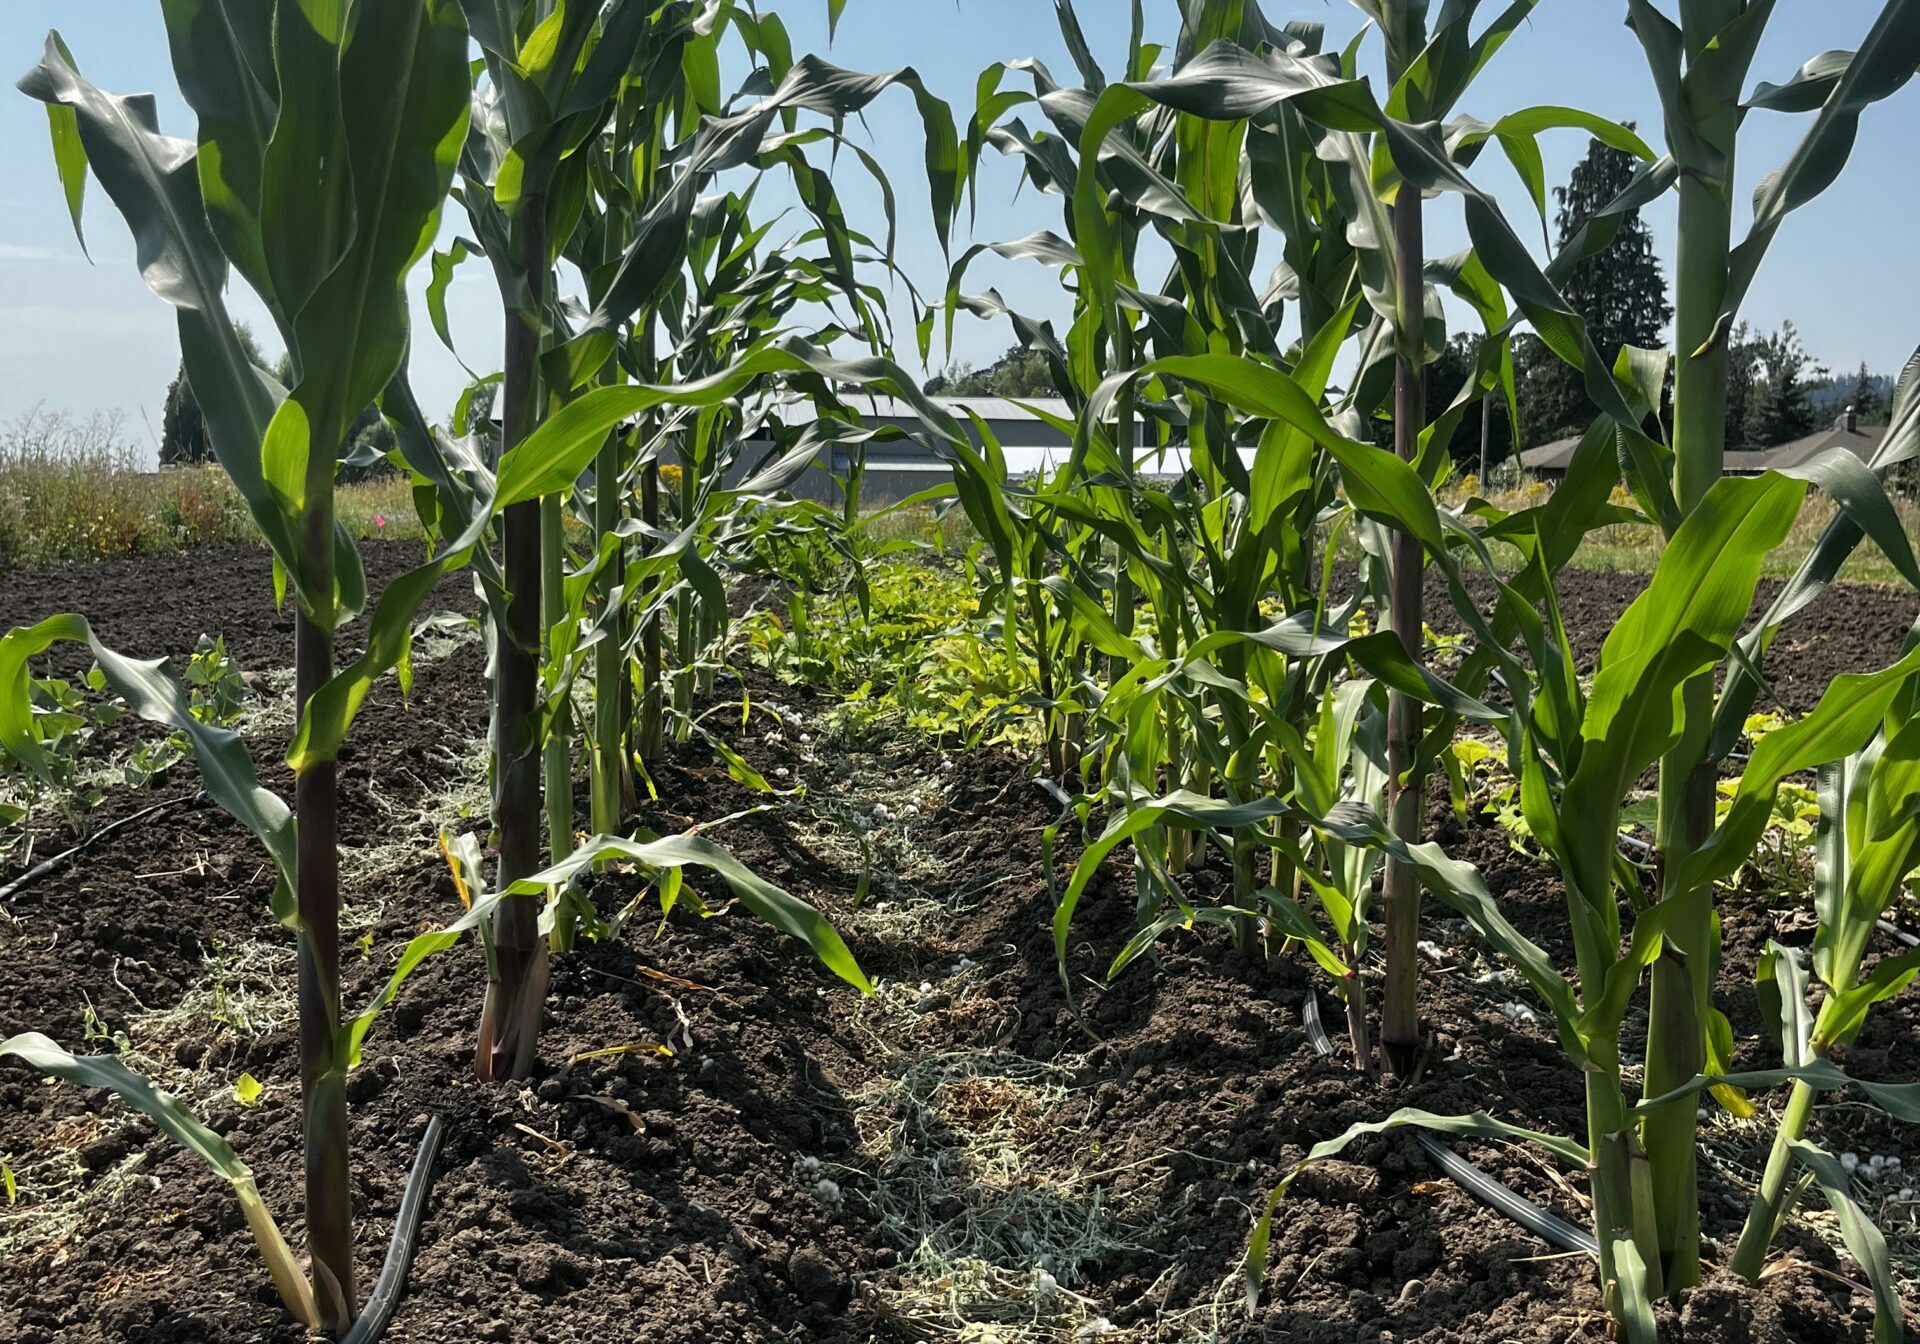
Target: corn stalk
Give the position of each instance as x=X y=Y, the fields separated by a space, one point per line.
x=1700 y=68
x=321 y=166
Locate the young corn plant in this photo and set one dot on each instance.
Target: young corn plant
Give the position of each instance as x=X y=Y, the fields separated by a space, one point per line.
x=572 y=155
x=1242 y=635
x=181 y=1125
x=1581 y=754
x=1700 y=65
x=1344 y=765
x=1868 y=840
x=1200 y=557
x=549 y=71
x=325 y=148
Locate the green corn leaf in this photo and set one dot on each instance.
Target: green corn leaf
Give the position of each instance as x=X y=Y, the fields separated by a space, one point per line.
x=777 y=907
x=1807 y=88
x=1900 y=1100
x=1864 y=1241
x=1848 y=715
x=69 y=152
x=1677 y=629
x=153 y=181
x=1885 y=62
x=554 y=455
x=1845 y=1012
x=226 y=769
x=1477 y=1125
x=1634 y=1306
x=400 y=98
x=1781 y=980
x=185 y=1129
x=223 y=59
x=1294 y=923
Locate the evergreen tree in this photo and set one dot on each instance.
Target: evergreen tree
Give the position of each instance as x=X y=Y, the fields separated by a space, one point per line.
x=1869 y=405
x=1743 y=362
x=183 y=430
x=1620 y=291
x=1779 y=409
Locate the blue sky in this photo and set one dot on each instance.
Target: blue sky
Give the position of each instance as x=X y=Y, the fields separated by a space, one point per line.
x=79 y=337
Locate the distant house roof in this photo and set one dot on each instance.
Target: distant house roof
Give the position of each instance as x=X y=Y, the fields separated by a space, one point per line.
x=1550 y=459
x=1011 y=423
x=1862 y=441
x=1553 y=459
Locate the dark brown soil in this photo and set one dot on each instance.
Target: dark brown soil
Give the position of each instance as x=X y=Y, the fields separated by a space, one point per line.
x=675 y=1197
x=1852 y=628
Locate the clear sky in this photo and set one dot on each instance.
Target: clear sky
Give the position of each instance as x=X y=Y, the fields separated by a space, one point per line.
x=80 y=337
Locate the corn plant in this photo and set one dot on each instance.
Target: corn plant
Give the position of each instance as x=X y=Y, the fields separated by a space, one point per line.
x=1244 y=641
x=1595 y=745
x=394 y=88
x=326 y=140
x=1581 y=752
x=1224 y=84
x=1115 y=542
x=181 y=1125
x=574 y=108
x=1344 y=765
x=1868 y=839
x=1700 y=65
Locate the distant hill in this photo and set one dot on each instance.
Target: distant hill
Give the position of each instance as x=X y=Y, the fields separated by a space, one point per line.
x=1829 y=397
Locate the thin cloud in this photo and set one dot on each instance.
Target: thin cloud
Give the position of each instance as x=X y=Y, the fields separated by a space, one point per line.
x=27 y=252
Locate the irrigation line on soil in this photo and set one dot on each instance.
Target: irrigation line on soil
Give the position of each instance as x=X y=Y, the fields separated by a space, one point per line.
x=1054 y=791
x=1893 y=930
x=46 y=866
x=1549 y=1227
x=1316 y=1029
x=385 y=1298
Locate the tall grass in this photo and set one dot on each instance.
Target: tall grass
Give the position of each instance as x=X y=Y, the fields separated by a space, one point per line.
x=78 y=489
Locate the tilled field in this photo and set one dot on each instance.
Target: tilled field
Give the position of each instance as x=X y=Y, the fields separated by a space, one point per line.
x=742 y=1148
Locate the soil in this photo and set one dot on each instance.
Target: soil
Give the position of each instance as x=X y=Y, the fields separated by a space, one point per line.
x=704 y=1154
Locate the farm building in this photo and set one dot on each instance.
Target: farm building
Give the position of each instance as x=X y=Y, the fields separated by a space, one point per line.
x=1549 y=461
x=902 y=467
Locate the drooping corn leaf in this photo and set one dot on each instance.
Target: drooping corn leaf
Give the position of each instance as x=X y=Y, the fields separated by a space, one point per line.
x=184 y=1128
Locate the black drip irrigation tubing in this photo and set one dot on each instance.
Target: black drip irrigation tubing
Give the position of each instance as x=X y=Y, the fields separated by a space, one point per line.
x=1549 y=1227
x=1898 y=934
x=385 y=1298
x=46 y=866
